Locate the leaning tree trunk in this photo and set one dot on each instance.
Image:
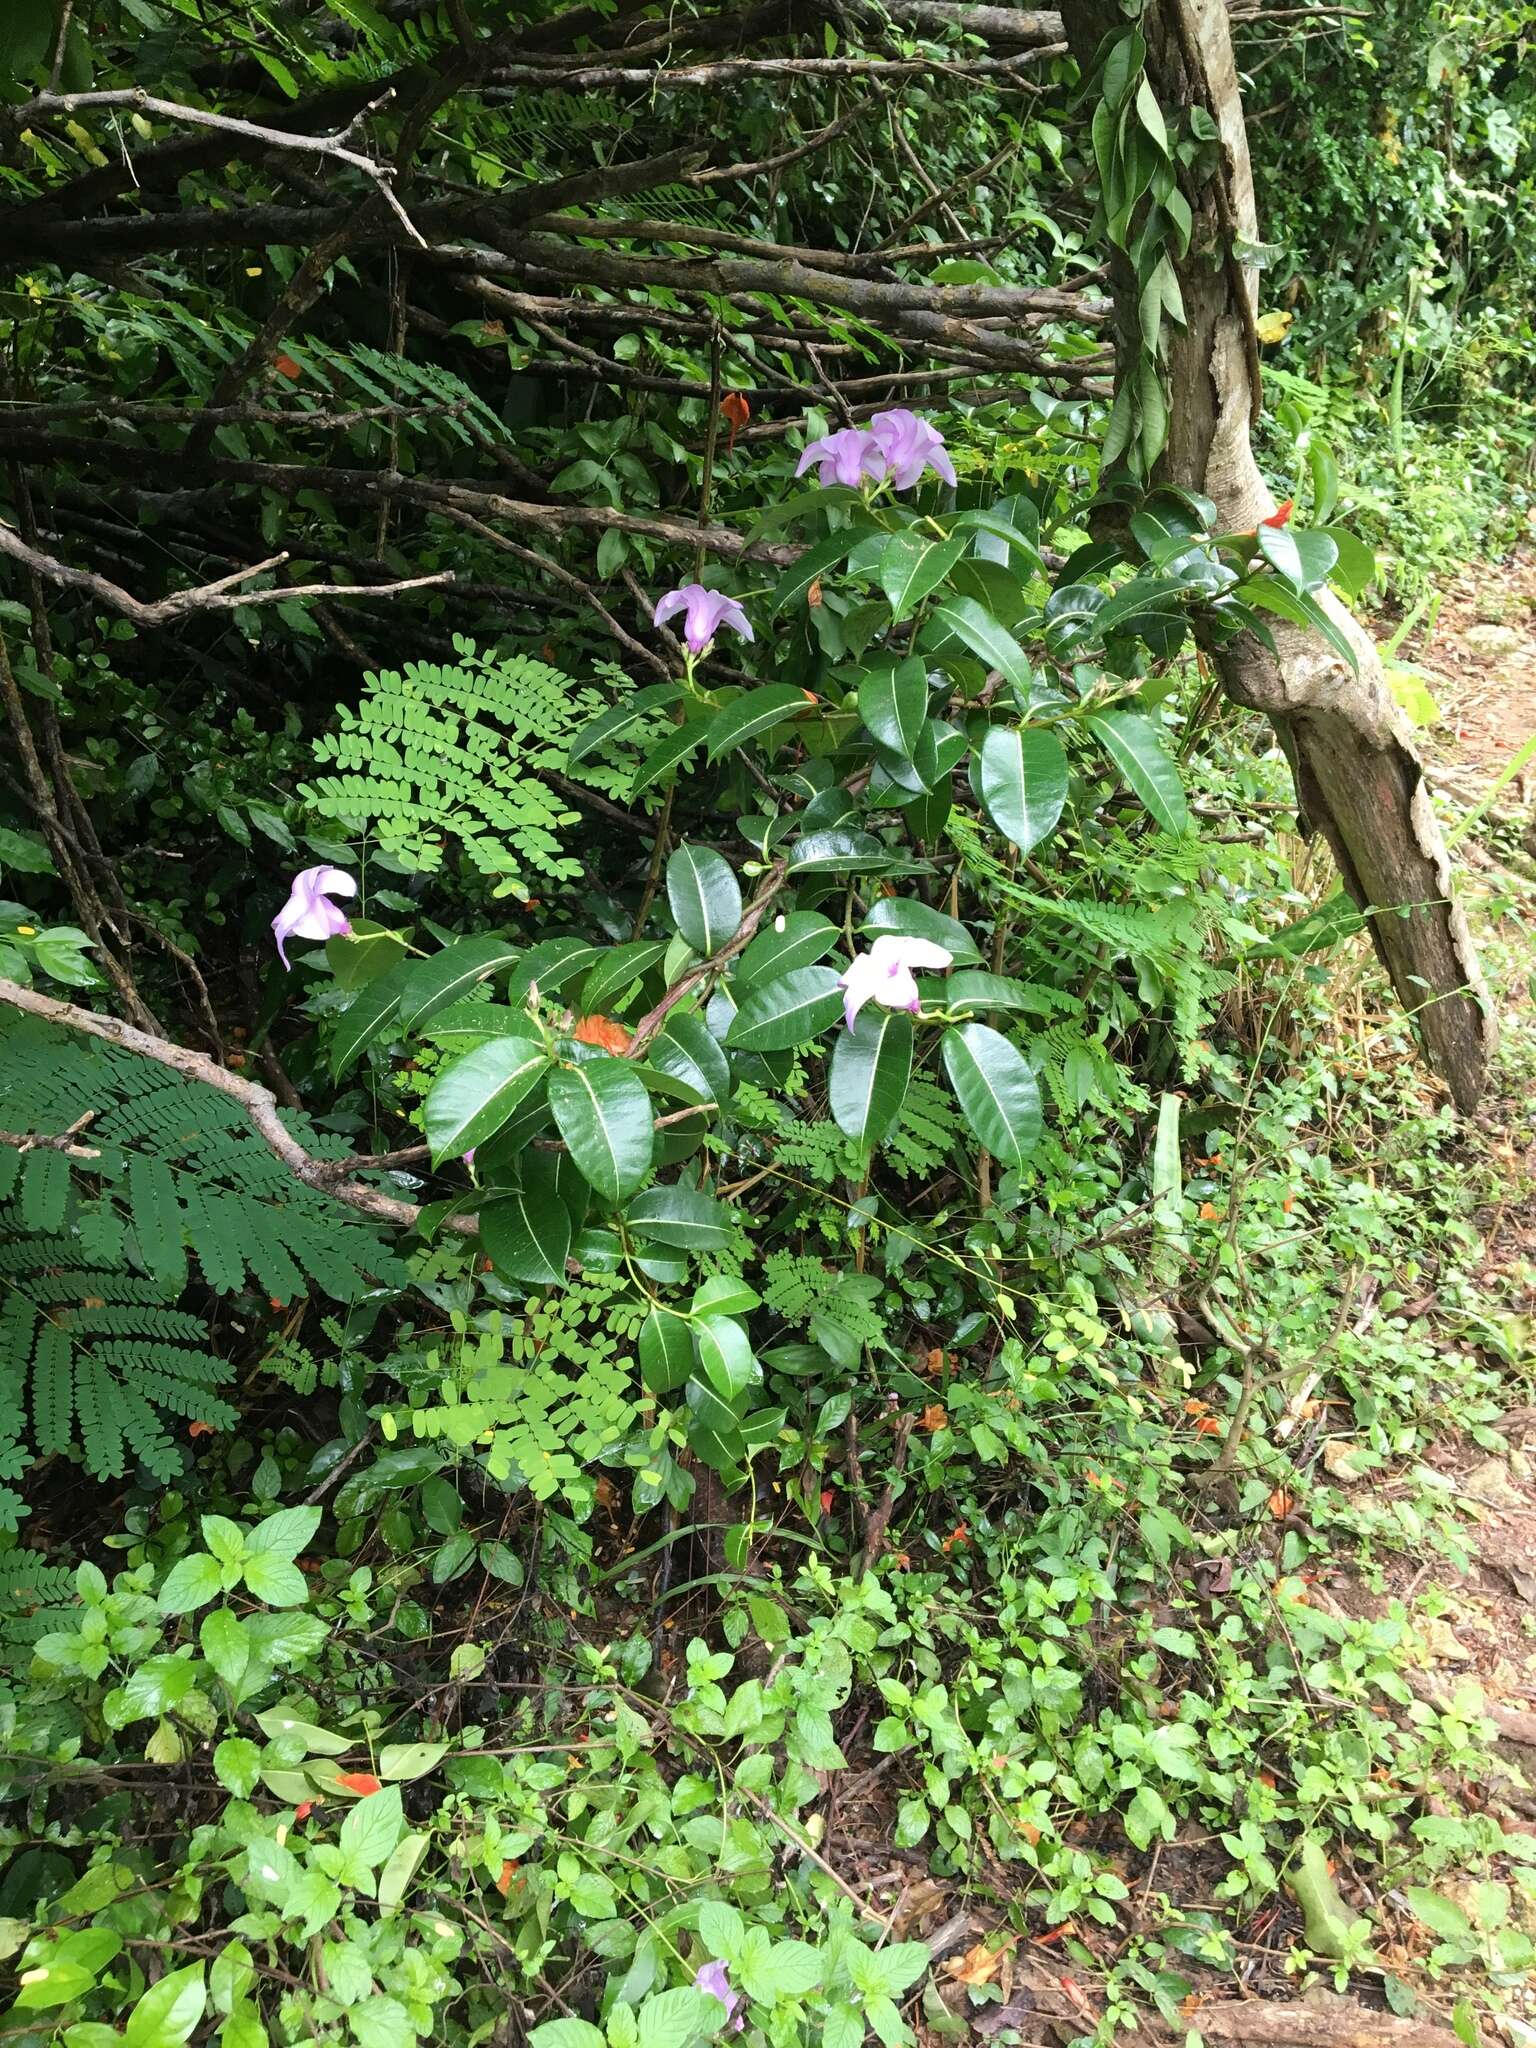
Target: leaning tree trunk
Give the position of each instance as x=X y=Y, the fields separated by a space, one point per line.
x=1358 y=778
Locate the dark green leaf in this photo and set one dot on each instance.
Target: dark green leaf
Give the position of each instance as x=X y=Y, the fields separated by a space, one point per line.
x=996 y=1090
x=911 y=568
x=756 y=712
x=893 y=703
x=1020 y=776
x=666 y=1351
x=473 y=1097
x=806 y=938
x=801 y=574
x=871 y=1066
x=779 y=1015
x=618 y=718
x=367 y=1015
x=686 y=1049
x=527 y=1233
x=705 y=897
x=604 y=1115
x=908 y=919
x=1131 y=741
x=446 y=976
x=962 y=619
x=673 y=748
x=685 y=1217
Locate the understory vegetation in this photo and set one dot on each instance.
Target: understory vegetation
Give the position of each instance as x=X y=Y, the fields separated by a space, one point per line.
x=731 y=1301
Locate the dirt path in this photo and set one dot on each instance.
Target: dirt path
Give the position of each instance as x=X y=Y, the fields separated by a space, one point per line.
x=1478 y=657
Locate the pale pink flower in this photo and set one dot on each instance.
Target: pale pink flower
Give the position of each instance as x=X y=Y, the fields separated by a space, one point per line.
x=707 y=611
x=309 y=912
x=884 y=974
x=846 y=457
x=910 y=446
x=715 y=1979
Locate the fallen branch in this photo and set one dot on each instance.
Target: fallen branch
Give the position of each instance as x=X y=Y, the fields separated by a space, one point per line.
x=68 y=104
x=206 y=597
x=259 y=1104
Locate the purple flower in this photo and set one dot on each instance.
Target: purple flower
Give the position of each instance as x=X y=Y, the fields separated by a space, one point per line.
x=715 y=1979
x=309 y=912
x=909 y=446
x=707 y=610
x=884 y=975
x=846 y=457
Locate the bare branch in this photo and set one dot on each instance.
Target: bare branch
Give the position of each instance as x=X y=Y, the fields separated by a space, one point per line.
x=259 y=1104
x=68 y=104
x=207 y=597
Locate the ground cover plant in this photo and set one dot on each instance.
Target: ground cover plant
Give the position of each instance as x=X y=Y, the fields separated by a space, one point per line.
x=763 y=1270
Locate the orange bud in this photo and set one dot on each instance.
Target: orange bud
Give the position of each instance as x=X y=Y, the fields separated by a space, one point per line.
x=602 y=1031
x=363 y=1783
x=1209 y=1213
x=303 y=1810
x=287 y=366
x=813 y=595
x=1208 y=1425
x=935 y=1417
x=735 y=409
x=200 y=1429
x=1281 y=515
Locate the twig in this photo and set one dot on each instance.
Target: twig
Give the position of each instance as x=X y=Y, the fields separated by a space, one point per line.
x=258 y=1103
x=756 y=911
x=68 y=104
x=207 y=596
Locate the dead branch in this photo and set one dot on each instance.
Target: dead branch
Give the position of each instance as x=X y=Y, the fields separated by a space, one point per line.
x=258 y=1104
x=207 y=597
x=67 y=105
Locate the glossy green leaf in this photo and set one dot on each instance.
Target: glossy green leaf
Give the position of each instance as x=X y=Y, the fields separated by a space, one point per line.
x=963 y=619
x=802 y=573
x=684 y=1217
x=725 y=1353
x=604 y=1115
x=996 y=1091
x=912 y=566
x=666 y=1351
x=1019 y=775
x=613 y=723
x=806 y=937
x=686 y=1049
x=779 y=1015
x=838 y=852
x=908 y=918
x=669 y=751
x=446 y=976
x=368 y=1014
x=705 y=897
x=871 y=1066
x=526 y=1233
x=618 y=970
x=757 y=712
x=472 y=1098
x=893 y=703
x=1132 y=742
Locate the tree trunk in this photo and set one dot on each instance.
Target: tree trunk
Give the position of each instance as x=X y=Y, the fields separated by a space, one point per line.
x=1358 y=777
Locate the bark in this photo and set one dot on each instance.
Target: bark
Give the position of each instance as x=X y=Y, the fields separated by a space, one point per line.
x=1358 y=777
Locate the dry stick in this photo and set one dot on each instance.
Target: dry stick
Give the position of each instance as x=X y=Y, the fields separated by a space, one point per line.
x=788 y=156
x=258 y=1103
x=563 y=575
x=756 y=911
x=61 y=842
x=937 y=199
x=333 y=146
x=207 y=597
x=880 y=1520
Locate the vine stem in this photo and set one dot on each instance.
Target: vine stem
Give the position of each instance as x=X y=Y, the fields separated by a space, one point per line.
x=746 y=931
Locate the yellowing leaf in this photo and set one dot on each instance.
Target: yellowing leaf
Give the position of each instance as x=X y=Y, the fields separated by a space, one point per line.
x=1273 y=326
